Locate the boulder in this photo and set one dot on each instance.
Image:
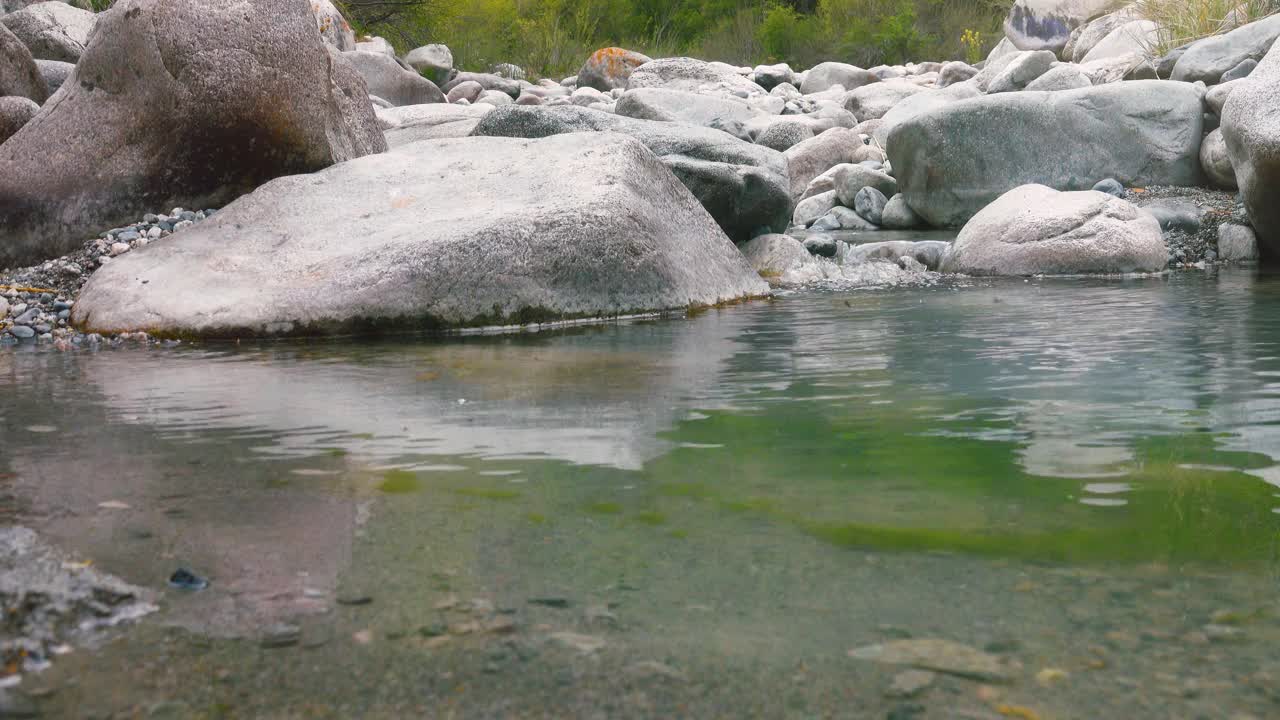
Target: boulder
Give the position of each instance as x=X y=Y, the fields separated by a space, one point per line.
x=898 y=215
x=1237 y=243
x=1047 y=24
x=771 y=76
x=1216 y=161
x=691 y=75
x=1062 y=77
x=1239 y=72
x=850 y=180
x=1036 y=230
x=609 y=68
x=843 y=218
x=783 y=136
x=1021 y=70
x=871 y=102
x=1104 y=71
x=1209 y=58
x=827 y=75
x=774 y=254
x=495 y=98
x=1217 y=96
x=681 y=106
x=922 y=103
x=955 y=72
x=334 y=28
x=1110 y=186
x=52 y=30
x=821 y=245
x=14 y=113
x=954 y=160
x=240 y=107
x=388 y=79
x=54 y=73
x=811 y=208
x=1251 y=128
x=477 y=232
x=488 y=81
x=1176 y=214
x=929 y=253
x=434 y=62
x=811 y=158
x=743 y=186
x=469 y=91
x=870 y=204
x=19 y=75
x=1096 y=31
x=377 y=44
x=1134 y=36
x=1002 y=48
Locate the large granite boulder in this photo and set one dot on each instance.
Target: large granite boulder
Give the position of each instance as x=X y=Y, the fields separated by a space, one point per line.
x=1047 y=24
x=922 y=103
x=1095 y=31
x=54 y=73
x=1036 y=230
x=682 y=106
x=52 y=30
x=744 y=186
x=872 y=102
x=388 y=79
x=487 y=81
x=1021 y=70
x=1216 y=161
x=824 y=76
x=688 y=74
x=952 y=161
x=1132 y=37
x=1251 y=128
x=233 y=107
x=1066 y=76
x=333 y=27
x=812 y=158
x=19 y=75
x=610 y=68
x=1209 y=58
x=436 y=235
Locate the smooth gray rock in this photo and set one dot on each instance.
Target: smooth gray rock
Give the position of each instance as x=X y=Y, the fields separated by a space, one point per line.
x=487 y=81
x=240 y=107
x=922 y=103
x=52 y=30
x=1110 y=186
x=1209 y=58
x=469 y=91
x=19 y=75
x=1251 y=129
x=810 y=209
x=872 y=102
x=1021 y=71
x=690 y=75
x=495 y=98
x=333 y=27
x=743 y=186
x=812 y=158
x=1216 y=161
x=1237 y=243
x=783 y=136
x=824 y=76
x=443 y=234
x=376 y=44
x=821 y=245
x=1240 y=71
x=1216 y=98
x=1096 y=31
x=1036 y=230
x=387 y=79
x=771 y=76
x=952 y=161
x=1047 y=24
x=54 y=73
x=1176 y=214
x=898 y=215
x=929 y=253
x=609 y=68
x=955 y=72
x=774 y=254
x=14 y=113
x=843 y=218
x=870 y=204
x=1062 y=77
x=1135 y=36
x=434 y=62
x=682 y=106
x=849 y=181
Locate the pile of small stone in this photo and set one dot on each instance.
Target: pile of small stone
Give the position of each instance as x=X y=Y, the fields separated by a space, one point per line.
x=36 y=301
x=1190 y=247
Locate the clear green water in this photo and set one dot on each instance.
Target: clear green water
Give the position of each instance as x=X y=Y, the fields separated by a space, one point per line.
x=1075 y=475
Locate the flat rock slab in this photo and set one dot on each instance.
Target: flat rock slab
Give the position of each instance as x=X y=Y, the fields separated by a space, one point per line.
x=938 y=655
x=435 y=235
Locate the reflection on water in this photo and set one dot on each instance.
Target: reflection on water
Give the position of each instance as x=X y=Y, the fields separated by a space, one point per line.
x=1085 y=423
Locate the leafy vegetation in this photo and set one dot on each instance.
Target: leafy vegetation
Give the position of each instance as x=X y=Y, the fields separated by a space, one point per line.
x=552 y=37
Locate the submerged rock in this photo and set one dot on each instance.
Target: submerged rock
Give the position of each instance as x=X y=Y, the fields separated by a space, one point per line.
x=454 y=233
x=1036 y=230
x=234 y=107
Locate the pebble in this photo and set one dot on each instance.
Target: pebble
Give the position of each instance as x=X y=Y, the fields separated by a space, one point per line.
x=280 y=635
x=585 y=644
x=943 y=656
x=119 y=248
x=22 y=332
x=910 y=683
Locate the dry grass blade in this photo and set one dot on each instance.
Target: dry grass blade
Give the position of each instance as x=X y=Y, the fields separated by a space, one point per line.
x=1184 y=21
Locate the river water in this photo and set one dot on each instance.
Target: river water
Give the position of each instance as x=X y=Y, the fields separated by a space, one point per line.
x=691 y=517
